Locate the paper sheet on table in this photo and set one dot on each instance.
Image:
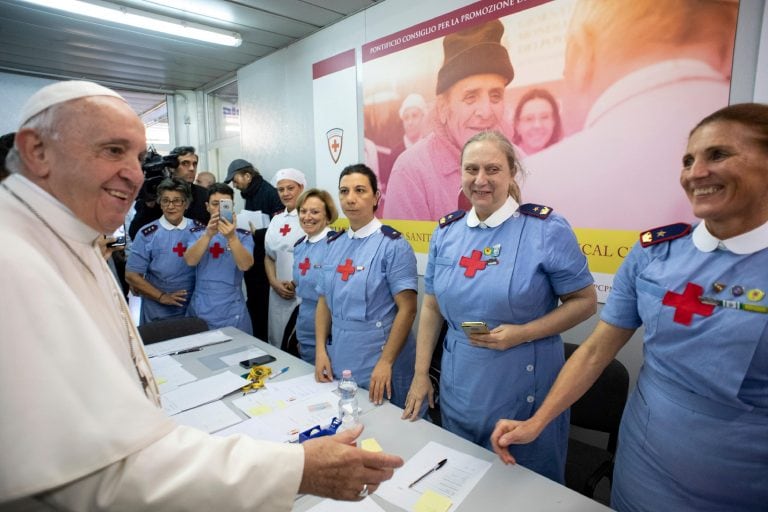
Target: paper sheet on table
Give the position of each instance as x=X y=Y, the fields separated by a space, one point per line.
x=255 y=428
x=328 y=505
x=454 y=480
x=201 y=392
x=284 y=420
x=201 y=339
x=209 y=417
x=247 y=217
x=161 y=363
x=247 y=353
x=171 y=377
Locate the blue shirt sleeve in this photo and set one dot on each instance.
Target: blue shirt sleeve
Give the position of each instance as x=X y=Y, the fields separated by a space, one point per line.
x=565 y=264
x=400 y=262
x=621 y=308
x=138 y=259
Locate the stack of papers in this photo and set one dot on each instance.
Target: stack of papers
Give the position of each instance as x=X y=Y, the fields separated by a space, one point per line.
x=201 y=392
x=184 y=343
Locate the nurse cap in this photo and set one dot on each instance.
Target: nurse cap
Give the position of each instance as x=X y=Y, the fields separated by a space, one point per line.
x=290 y=174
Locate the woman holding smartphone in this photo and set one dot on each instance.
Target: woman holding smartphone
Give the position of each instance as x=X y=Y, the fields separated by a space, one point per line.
x=507 y=265
x=367 y=297
x=316 y=212
x=222 y=253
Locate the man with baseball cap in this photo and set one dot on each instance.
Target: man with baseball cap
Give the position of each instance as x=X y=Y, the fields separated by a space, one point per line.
x=84 y=430
x=426 y=179
x=259 y=195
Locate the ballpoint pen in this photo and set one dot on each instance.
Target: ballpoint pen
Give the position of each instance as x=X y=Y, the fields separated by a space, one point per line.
x=432 y=470
x=198 y=349
x=280 y=372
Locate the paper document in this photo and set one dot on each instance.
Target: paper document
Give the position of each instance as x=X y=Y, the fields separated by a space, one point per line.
x=209 y=417
x=201 y=339
x=454 y=480
x=367 y=505
x=201 y=392
x=247 y=217
x=172 y=377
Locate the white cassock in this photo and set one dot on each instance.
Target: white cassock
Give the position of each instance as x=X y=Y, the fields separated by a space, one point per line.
x=282 y=234
x=76 y=422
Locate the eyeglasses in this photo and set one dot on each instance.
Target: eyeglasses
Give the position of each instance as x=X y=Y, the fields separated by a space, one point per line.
x=175 y=202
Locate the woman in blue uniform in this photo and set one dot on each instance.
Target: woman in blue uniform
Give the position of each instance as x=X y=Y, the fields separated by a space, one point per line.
x=316 y=212
x=221 y=253
x=694 y=435
x=156 y=269
x=507 y=265
x=367 y=297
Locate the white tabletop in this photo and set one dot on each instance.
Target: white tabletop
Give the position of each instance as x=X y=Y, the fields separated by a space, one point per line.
x=502 y=487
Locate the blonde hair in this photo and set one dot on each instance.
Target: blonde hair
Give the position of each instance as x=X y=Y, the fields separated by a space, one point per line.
x=331 y=214
x=508 y=149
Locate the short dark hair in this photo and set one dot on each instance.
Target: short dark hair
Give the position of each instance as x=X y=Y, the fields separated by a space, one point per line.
x=752 y=115
x=175 y=185
x=182 y=150
x=221 y=188
x=366 y=171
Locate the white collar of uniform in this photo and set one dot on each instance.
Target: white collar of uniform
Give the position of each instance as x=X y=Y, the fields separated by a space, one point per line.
x=170 y=227
x=745 y=243
x=366 y=230
x=292 y=213
x=62 y=220
x=507 y=210
x=316 y=238
x=655 y=75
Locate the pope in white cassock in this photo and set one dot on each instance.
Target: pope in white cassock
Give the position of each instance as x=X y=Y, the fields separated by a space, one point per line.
x=81 y=426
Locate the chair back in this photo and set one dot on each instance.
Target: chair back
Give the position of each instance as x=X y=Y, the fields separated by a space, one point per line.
x=168 y=328
x=601 y=407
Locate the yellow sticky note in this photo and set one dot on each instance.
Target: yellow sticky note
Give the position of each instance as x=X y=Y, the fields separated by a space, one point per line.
x=431 y=501
x=370 y=445
x=259 y=410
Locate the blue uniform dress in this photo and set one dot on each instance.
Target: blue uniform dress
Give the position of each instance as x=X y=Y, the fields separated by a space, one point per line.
x=694 y=435
x=362 y=273
x=218 y=297
x=308 y=256
x=157 y=253
x=511 y=271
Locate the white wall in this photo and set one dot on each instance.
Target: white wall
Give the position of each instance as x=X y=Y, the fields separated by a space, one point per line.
x=16 y=90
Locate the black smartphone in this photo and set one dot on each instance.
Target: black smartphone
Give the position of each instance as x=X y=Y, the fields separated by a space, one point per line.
x=257 y=361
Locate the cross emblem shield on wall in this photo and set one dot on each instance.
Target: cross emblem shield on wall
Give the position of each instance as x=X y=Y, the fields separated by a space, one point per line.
x=335 y=139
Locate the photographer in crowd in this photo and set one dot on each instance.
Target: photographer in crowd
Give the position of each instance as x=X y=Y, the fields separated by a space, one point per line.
x=181 y=163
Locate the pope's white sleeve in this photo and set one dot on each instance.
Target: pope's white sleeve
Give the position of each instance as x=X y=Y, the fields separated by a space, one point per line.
x=191 y=470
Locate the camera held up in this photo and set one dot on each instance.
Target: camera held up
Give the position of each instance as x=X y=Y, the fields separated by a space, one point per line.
x=155 y=167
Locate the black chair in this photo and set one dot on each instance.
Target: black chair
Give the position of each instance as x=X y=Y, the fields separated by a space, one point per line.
x=168 y=328
x=290 y=342
x=600 y=409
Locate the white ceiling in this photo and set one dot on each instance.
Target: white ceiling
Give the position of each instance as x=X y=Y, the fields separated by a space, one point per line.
x=48 y=43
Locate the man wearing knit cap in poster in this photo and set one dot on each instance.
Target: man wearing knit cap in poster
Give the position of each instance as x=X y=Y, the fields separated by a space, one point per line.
x=82 y=426
x=476 y=69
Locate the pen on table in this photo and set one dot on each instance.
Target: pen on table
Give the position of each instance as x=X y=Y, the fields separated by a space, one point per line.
x=432 y=470
x=198 y=349
x=279 y=372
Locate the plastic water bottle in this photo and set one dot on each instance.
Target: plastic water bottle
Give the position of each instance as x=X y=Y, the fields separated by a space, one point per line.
x=348 y=406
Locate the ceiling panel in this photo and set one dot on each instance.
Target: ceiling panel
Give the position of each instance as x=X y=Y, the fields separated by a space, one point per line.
x=44 y=42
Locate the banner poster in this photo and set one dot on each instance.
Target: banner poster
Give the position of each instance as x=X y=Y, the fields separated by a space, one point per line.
x=598 y=97
x=334 y=88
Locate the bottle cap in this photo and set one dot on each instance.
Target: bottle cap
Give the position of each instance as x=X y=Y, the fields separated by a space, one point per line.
x=346 y=374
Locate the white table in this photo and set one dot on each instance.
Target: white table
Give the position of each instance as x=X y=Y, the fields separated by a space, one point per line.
x=501 y=488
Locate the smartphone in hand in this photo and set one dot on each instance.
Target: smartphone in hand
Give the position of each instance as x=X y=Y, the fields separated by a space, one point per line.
x=474 y=328
x=225 y=209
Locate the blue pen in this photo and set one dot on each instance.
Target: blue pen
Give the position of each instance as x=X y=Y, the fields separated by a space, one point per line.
x=278 y=373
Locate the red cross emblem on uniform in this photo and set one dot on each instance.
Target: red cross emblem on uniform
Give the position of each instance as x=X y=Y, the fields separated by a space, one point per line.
x=285 y=230
x=216 y=250
x=473 y=263
x=179 y=250
x=346 y=270
x=304 y=266
x=687 y=304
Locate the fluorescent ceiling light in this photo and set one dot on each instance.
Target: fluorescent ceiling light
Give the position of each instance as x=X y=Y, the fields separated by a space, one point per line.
x=117 y=14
